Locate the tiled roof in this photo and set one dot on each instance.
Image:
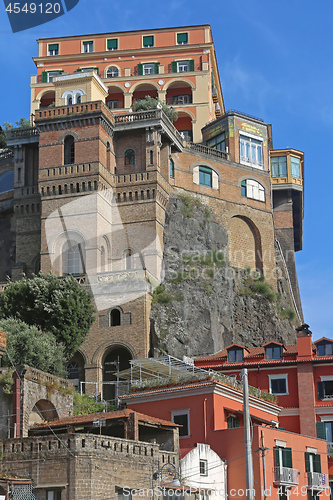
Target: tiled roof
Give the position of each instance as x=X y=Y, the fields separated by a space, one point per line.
x=113 y=415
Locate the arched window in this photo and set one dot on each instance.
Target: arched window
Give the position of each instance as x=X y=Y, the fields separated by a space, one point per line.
x=78 y=99
x=69 y=150
x=115 y=317
x=112 y=72
x=252 y=189
x=73 y=257
x=172 y=168
x=129 y=259
x=69 y=100
x=6 y=182
x=102 y=259
x=205 y=176
x=129 y=157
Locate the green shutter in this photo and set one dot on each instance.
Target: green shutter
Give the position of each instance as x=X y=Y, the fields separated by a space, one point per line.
x=79 y=70
x=277 y=457
x=321 y=390
x=287 y=460
x=191 y=65
x=54 y=46
x=44 y=76
x=317 y=464
x=97 y=70
x=321 y=434
x=174 y=67
x=112 y=44
x=156 y=66
x=182 y=37
x=140 y=69
x=307 y=461
x=148 y=40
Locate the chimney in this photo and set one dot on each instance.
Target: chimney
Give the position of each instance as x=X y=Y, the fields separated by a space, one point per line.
x=304 y=342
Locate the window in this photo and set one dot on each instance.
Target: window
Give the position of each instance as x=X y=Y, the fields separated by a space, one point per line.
x=148 y=41
x=235 y=354
x=279 y=166
x=115 y=317
x=250 y=151
x=252 y=189
x=112 y=44
x=182 y=38
x=295 y=164
x=89 y=68
x=325 y=349
x=283 y=457
x=113 y=104
x=205 y=176
x=149 y=69
x=187 y=135
x=47 y=76
x=6 y=182
x=312 y=462
x=53 y=49
x=182 y=66
x=69 y=150
x=203 y=467
x=182 y=417
x=172 y=168
x=53 y=494
x=129 y=157
x=88 y=46
x=325 y=389
x=325 y=431
x=217 y=142
x=112 y=72
x=273 y=352
x=129 y=259
x=278 y=384
x=233 y=422
x=182 y=99
x=124 y=494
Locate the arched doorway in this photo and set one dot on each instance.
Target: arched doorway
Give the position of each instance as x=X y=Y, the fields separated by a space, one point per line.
x=48 y=99
x=141 y=91
x=184 y=125
x=115 y=98
x=179 y=93
x=244 y=244
x=43 y=410
x=75 y=371
x=115 y=359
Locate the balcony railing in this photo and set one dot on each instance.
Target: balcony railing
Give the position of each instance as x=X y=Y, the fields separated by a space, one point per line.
x=317 y=480
x=16 y=133
x=74 y=109
x=208 y=151
x=285 y=476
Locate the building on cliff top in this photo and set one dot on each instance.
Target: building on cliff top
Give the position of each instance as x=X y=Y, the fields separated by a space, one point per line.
x=85 y=190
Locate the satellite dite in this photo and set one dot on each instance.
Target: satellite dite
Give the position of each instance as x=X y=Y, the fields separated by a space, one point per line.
x=25 y=15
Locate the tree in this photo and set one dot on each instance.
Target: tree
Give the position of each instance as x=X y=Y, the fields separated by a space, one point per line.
x=58 y=306
x=26 y=345
x=151 y=103
x=3 y=143
x=21 y=123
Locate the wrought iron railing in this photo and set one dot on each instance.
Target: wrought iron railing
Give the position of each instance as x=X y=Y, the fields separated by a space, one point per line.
x=285 y=475
x=317 y=480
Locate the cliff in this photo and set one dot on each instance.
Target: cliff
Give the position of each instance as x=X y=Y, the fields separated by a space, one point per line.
x=203 y=304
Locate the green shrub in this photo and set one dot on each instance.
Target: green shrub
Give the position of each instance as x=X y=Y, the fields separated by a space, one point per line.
x=87 y=405
x=287 y=313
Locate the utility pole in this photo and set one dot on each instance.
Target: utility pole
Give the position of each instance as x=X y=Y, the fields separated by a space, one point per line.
x=247 y=435
x=263 y=451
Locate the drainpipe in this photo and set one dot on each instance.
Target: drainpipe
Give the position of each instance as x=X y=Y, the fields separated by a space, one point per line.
x=205 y=418
x=16 y=406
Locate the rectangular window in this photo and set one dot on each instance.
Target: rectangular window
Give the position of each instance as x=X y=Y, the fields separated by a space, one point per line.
x=182 y=417
x=53 y=49
x=273 y=352
x=325 y=349
x=52 y=74
x=325 y=389
x=183 y=66
x=149 y=69
x=235 y=355
x=203 y=466
x=283 y=457
x=53 y=494
x=88 y=46
x=182 y=99
x=172 y=168
x=278 y=384
x=205 y=176
x=112 y=44
x=312 y=462
x=182 y=38
x=243 y=188
x=250 y=152
x=279 y=166
x=295 y=164
x=113 y=104
x=233 y=422
x=148 y=41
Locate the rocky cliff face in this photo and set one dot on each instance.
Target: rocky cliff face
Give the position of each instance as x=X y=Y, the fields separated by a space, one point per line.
x=203 y=304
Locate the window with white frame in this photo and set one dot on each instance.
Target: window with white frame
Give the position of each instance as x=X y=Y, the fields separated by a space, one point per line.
x=279 y=166
x=182 y=418
x=250 y=151
x=148 y=41
x=53 y=49
x=112 y=72
x=88 y=46
x=278 y=384
x=252 y=189
x=182 y=38
x=203 y=467
x=183 y=66
x=112 y=44
x=149 y=68
x=325 y=387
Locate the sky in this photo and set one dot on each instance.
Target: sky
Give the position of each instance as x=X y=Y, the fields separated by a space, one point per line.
x=275 y=62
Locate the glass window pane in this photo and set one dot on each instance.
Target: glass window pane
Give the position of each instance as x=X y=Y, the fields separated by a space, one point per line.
x=295 y=167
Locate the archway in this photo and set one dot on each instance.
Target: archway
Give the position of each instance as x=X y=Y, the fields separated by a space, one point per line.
x=75 y=371
x=47 y=99
x=115 y=98
x=141 y=91
x=43 y=411
x=244 y=244
x=184 y=125
x=116 y=359
x=179 y=93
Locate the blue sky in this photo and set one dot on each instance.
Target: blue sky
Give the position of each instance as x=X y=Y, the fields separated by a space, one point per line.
x=275 y=62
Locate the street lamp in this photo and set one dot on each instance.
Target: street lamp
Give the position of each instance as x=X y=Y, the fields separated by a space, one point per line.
x=170 y=468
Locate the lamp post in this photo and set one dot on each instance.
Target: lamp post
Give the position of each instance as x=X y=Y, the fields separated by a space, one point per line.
x=170 y=468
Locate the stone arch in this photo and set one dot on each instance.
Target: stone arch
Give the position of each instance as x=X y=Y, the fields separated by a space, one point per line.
x=43 y=410
x=145 y=82
x=178 y=80
x=46 y=95
x=115 y=358
x=245 y=249
x=106 y=347
x=76 y=370
x=115 y=97
x=65 y=134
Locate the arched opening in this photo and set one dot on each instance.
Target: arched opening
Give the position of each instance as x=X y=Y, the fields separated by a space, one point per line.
x=144 y=90
x=73 y=258
x=116 y=359
x=75 y=371
x=69 y=150
x=244 y=244
x=112 y=72
x=43 y=411
x=48 y=99
x=129 y=157
x=115 y=98
x=115 y=319
x=184 y=125
x=179 y=93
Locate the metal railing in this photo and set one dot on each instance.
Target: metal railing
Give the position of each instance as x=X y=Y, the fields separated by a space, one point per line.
x=317 y=480
x=285 y=476
x=208 y=151
x=244 y=114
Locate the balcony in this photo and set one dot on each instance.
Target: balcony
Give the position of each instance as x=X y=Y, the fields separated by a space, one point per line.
x=317 y=480
x=22 y=135
x=284 y=476
x=206 y=150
